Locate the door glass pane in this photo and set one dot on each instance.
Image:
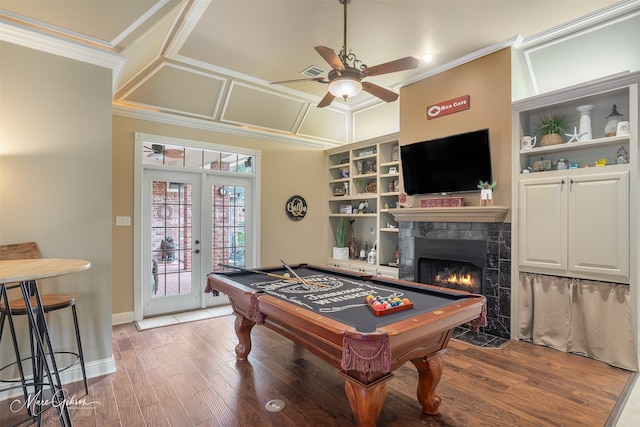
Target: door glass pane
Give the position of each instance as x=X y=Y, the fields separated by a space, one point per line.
x=171 y=237
x=228 y=224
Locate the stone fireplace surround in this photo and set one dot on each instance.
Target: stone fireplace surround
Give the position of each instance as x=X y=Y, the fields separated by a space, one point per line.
x=497 y=236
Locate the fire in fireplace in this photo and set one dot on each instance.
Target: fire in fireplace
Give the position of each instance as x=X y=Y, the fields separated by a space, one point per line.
x=451 y=274
x=459 y=278
x=451 y=264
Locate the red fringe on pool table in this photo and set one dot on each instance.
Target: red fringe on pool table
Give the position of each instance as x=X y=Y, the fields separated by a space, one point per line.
x=366 y=356
x=209 y=290
x=254 y=310
x=481 y=321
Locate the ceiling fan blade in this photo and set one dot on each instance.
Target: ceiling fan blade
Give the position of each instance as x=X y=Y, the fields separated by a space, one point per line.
x=328 y=99
x=330 y=56
x=312 y=79
x=155 y=148
x=382 y=93
x=391 y=67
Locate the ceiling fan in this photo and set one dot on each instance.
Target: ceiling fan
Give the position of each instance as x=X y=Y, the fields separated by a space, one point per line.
x=347 y=73
x=158 y=150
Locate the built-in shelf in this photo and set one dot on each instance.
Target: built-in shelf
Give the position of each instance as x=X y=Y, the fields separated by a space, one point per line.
x=365 y=174
x=451 y=214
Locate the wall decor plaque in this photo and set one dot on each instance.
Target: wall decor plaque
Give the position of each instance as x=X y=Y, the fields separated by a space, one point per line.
x=296 y=208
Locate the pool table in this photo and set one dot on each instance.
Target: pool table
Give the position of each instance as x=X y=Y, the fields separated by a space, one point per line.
x=327 y=314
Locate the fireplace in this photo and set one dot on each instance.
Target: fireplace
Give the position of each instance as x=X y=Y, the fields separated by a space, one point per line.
x=454 y=264
x=485 y=245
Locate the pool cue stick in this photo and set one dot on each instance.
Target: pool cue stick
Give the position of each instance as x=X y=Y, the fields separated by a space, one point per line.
x=277 y=276
x=300 y=278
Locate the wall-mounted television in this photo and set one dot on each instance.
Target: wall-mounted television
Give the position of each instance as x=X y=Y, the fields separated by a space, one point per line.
x=453 y=164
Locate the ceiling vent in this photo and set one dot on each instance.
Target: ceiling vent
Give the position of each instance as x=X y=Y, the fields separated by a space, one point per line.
x=312 y=71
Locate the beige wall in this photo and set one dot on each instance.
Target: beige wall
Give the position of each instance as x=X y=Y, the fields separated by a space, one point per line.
x=286 y=170
x=487 y=81
x=55 y=180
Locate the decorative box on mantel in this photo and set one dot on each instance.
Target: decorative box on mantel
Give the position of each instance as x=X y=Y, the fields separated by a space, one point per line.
x=442 y=202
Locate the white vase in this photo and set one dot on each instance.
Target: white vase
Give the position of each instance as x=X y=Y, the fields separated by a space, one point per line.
x=585 y=122
x=340 y=253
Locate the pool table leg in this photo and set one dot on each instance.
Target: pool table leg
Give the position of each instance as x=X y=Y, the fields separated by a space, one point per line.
x=366 y=400
x=429 y=374
x=243 y=331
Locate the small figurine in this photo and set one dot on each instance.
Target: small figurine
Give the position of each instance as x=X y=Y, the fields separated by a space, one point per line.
x=363 y=206
x=601 y=162
x=622 y=156
x=563 y=164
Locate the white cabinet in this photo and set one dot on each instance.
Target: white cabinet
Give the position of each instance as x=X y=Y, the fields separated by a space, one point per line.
x=575 y=224
x=364 y=268
x=542 y=215
x=576 y=219
x=599 y=226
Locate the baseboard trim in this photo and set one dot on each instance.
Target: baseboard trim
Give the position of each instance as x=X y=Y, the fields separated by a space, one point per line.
x=94 y=369
x=121 y=318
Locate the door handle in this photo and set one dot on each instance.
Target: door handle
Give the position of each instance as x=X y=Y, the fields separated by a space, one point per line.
x=197 y=251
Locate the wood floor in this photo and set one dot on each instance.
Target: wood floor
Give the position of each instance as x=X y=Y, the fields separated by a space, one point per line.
x=186 y=375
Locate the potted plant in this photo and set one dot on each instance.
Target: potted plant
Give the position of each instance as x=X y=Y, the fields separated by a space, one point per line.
x=552 y=127
x=341 y=250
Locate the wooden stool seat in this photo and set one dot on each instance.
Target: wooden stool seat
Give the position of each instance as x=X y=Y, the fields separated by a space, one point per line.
x=49 y=303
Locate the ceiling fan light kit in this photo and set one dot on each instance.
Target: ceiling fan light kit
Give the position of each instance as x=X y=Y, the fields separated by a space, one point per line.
x=345 y=77
x=345 y=87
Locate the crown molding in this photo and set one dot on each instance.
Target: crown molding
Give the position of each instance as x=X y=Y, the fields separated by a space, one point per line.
x=616 y=10
x=193 y=123
x=49 y=43
x=513 y=41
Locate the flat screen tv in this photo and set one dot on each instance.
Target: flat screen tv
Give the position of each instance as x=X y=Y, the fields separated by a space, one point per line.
x=453 y=164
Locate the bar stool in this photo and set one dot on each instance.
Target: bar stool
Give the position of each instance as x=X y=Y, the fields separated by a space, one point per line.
x=49 y=303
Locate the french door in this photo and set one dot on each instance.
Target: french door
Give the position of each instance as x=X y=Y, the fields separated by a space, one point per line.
x=171 y=242
x=192 y=229
x=229 y=223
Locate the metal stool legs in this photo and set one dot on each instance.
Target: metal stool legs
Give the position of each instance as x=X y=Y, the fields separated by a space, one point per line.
x=80 y=351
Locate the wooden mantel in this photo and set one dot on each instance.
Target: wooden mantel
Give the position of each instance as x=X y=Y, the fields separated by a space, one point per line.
x=451 y=214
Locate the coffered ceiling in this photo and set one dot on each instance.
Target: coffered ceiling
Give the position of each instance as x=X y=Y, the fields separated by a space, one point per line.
x=210 y=62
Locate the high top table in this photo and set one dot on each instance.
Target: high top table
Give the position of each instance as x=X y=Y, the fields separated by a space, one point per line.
x=25 y=273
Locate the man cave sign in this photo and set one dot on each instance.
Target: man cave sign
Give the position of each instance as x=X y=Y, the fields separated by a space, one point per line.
x=448 y=107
